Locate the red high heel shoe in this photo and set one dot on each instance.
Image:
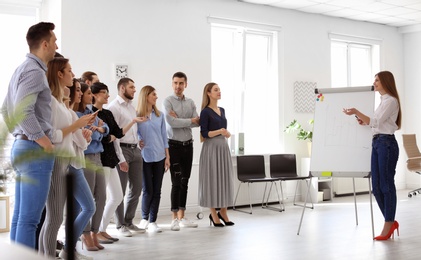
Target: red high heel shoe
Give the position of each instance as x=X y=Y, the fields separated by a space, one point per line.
x=391 y=232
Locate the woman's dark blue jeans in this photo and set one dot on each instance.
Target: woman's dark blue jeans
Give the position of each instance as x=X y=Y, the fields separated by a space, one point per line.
x=153 y=174
x=384 y=157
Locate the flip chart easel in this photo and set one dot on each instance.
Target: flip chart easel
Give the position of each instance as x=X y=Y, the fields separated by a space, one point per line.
x=340 y=146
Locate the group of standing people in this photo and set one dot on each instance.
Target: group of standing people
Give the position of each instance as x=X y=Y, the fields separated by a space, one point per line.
x=61 y=126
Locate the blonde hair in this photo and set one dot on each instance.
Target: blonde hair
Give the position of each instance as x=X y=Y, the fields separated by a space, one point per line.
x=54 y=66
x=206 y=90
x=142 y=104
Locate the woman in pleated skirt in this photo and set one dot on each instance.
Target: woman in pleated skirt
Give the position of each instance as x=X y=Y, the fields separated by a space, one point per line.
x=215 y=166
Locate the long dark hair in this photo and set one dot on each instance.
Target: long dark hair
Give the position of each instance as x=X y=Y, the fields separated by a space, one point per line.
x=84 y=87
x=389 y=85
x=72 y=95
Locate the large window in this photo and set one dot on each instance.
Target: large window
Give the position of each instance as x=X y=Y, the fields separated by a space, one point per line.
x=353 y=61
x=245 y=66
x=15 y=21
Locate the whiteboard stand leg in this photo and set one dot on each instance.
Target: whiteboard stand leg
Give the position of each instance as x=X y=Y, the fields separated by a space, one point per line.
x=355 y=202
x=305 y=204
x=371 y=204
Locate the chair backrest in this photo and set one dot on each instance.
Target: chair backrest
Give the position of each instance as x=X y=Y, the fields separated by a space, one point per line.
x=412 y=151
x=250 y=167
x=283 y=165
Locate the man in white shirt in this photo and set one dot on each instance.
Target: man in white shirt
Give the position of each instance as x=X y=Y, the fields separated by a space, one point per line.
x=128 y=151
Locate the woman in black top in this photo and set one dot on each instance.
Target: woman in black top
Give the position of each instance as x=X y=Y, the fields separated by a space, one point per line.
x=109 y=158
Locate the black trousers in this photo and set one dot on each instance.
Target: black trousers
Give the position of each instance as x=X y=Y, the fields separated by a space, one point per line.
x=181 y=158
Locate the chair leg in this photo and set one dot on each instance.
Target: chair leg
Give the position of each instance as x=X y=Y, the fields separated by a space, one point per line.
x=236 y=196
x=309 y=194
x=251 y=207
x=238 y=190
x=282 y=195
x=414 y=192
x=266 y=205
x=264 y=195
x=281 y=202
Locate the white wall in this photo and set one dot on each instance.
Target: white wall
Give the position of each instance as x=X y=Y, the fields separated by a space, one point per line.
x=412 y=105
x=158 y=38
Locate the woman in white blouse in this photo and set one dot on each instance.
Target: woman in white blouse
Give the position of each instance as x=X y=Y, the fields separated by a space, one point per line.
x=385 y=151
x=59 y=76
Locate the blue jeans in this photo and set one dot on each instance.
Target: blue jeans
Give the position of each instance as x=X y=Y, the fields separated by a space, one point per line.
x=84 y=202
x=33 y=171
x=384 y=157
x=152 y=174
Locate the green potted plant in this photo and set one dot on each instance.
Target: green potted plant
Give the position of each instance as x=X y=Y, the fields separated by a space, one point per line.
x=302 y=134
x=6 y=174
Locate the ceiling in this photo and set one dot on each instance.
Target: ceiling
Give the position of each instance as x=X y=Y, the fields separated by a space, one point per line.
x=397 y=13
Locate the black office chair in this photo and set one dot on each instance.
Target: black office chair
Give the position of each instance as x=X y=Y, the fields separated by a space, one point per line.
x=284 y=168
x=414 y=157
x=250 y=169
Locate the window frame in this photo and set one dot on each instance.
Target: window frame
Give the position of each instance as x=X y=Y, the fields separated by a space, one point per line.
x=274 y=35
x=371 y=44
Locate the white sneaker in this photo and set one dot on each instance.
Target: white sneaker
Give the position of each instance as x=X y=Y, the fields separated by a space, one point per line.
x=174 y=225
x=187 y=223
x=134 y=228
x=153 y=228
x=124 y=232
x=62 y=254
x=143 y=224
x=78 y=256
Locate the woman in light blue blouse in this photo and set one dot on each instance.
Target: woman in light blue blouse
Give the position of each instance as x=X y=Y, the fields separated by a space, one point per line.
x=156 y=158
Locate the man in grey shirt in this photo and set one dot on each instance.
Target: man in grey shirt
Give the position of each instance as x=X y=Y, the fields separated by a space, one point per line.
x=181 y=116
x=27 y=113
